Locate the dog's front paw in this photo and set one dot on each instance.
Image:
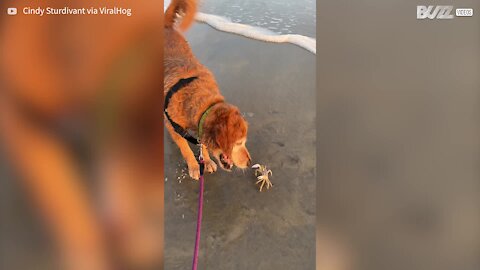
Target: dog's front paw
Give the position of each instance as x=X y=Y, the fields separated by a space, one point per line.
x=194 y=170
x=210 y=166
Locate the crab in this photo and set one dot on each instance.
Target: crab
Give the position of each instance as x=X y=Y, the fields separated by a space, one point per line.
x=262 y=174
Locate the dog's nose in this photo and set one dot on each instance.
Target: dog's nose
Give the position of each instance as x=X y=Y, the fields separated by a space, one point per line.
x=249 y=162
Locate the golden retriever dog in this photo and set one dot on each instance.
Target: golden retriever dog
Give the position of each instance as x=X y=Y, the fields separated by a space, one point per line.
x=197 y=104
x=92 y=79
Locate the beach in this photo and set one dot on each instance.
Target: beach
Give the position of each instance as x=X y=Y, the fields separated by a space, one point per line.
x=274 y=87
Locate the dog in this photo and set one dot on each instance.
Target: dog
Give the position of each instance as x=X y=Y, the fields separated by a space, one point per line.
x=198 y=105
x=91 y=81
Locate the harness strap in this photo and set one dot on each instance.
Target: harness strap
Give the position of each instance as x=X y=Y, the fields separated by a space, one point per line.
x=179 y=129
x=202 y=120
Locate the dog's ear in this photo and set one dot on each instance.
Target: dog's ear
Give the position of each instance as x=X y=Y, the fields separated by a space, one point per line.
x=224 y=129
x=222 y=132
x=234 y=129
x=213 y=135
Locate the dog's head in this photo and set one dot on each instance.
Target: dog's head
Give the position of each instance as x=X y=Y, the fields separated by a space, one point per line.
x=225 y=135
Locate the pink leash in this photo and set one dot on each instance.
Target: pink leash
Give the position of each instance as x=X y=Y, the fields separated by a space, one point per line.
x=199 y=217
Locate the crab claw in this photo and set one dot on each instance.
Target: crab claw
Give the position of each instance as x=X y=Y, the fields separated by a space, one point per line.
x=256 y=166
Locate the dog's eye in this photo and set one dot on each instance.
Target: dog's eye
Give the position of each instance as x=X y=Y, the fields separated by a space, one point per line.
x=238 y=144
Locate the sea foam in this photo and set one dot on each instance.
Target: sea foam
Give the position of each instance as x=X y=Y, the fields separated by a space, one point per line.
x=257 y=33
x=224 y=24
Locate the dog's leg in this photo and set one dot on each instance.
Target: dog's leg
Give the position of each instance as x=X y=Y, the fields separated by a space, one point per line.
x=56 y=189
x=193 y=167
x=210 y=165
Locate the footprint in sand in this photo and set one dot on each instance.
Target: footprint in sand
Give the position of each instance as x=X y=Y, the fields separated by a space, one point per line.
x=240 y=224
x=235 y=230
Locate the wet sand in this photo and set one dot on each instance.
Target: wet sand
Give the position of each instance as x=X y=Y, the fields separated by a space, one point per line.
x=274 y=86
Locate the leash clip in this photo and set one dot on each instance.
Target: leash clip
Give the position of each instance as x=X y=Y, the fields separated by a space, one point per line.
x=200 y=161
x=200 y=157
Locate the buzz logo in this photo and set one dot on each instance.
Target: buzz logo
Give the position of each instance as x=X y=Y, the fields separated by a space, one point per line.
x=434 y=12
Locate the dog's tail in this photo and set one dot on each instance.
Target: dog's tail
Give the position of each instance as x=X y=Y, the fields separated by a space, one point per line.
x=181 y=13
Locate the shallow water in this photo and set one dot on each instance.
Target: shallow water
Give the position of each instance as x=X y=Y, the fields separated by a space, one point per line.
x=274 y=86
x=275 y=21
x=280 y=16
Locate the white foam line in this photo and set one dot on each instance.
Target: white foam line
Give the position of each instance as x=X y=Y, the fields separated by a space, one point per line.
x=225 y=25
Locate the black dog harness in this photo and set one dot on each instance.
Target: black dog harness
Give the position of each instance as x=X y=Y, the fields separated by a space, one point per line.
x=179 y=129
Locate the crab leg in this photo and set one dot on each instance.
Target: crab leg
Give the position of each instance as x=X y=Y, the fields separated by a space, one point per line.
x=263 y=183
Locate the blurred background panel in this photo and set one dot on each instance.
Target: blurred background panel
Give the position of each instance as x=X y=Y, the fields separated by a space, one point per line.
x=81 y=135
x=398 y=122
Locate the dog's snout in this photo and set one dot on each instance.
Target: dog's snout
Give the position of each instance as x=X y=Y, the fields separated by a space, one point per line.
x=249 y=162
